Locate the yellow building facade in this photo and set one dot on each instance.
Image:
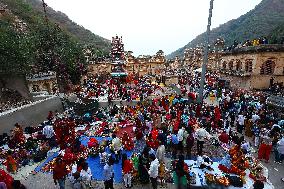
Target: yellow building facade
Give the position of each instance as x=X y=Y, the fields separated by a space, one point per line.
x=253 y=67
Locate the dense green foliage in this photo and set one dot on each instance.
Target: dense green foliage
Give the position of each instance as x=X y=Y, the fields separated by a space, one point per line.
x=43 y=45
x=57 y=51
x=266 y=19
x=16 y=51
x=81 y=34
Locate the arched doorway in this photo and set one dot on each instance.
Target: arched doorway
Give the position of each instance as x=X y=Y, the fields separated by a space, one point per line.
x=267 y=68
x=35 y=88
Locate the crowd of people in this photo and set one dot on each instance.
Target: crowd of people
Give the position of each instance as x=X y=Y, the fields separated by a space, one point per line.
x=248 y=43
x=161 y=131
x=112 y=89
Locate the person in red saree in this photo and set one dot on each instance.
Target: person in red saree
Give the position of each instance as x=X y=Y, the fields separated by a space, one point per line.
x=178 y=120
x=265 y=147
x=18 y=135
x=11 y=163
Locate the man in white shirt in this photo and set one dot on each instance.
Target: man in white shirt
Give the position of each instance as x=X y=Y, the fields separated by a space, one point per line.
x=86 y=176
x=48 y=131
x=180 y=136
x=116 y=144
x=201 y=135
x=153 y=171
x=255 y=117
x=108 y=174
x=241 y=123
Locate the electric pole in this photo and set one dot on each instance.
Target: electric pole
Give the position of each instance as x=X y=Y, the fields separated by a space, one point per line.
x=205 y=58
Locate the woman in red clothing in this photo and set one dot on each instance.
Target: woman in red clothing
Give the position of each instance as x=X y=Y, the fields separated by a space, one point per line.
x=127 y=168
x=18 y=137
x=265 y=146
x=59 y=173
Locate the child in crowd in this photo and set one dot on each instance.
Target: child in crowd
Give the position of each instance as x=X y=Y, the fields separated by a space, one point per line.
x=127 y=168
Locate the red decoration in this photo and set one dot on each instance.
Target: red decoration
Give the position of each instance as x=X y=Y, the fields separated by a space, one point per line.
x=64 y=132
x=6 y=178
x=93 y=143
x=127 y=141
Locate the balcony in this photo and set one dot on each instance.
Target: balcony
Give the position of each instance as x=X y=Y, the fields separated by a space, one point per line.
x=235 y=73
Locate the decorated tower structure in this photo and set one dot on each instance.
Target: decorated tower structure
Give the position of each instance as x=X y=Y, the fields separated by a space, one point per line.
x=118 y=58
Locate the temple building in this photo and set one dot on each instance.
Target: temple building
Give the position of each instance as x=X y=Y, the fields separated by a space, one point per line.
x=253 y=67
x=150 y=65
x=123 y=63
x=193 y=59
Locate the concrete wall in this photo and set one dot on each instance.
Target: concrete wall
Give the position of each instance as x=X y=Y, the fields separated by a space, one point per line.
x=252 y=82
x=30 y=115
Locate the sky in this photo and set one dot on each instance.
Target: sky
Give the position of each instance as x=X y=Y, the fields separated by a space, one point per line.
x=150 y=25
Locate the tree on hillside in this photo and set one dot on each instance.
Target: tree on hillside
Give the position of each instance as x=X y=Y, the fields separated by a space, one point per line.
x=16 y=51
x=57 y=51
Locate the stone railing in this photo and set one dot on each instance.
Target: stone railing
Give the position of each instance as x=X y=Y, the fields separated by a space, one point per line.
x=235 y=72
x=255 y=49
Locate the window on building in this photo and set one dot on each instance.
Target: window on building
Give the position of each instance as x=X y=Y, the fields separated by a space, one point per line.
x=238 y=65
x=267 y=68
x=35 y=88
x=224 y=66
x=231 y=65
x=248 y=66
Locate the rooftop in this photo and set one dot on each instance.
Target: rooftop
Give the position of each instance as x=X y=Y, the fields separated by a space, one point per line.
x=256 y=49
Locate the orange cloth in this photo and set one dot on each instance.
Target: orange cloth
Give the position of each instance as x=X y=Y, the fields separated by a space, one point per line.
x=11 y=164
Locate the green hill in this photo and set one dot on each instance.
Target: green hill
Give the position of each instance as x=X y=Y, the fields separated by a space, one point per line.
x=81 y=34
x=28 y=43
x=266 y=19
